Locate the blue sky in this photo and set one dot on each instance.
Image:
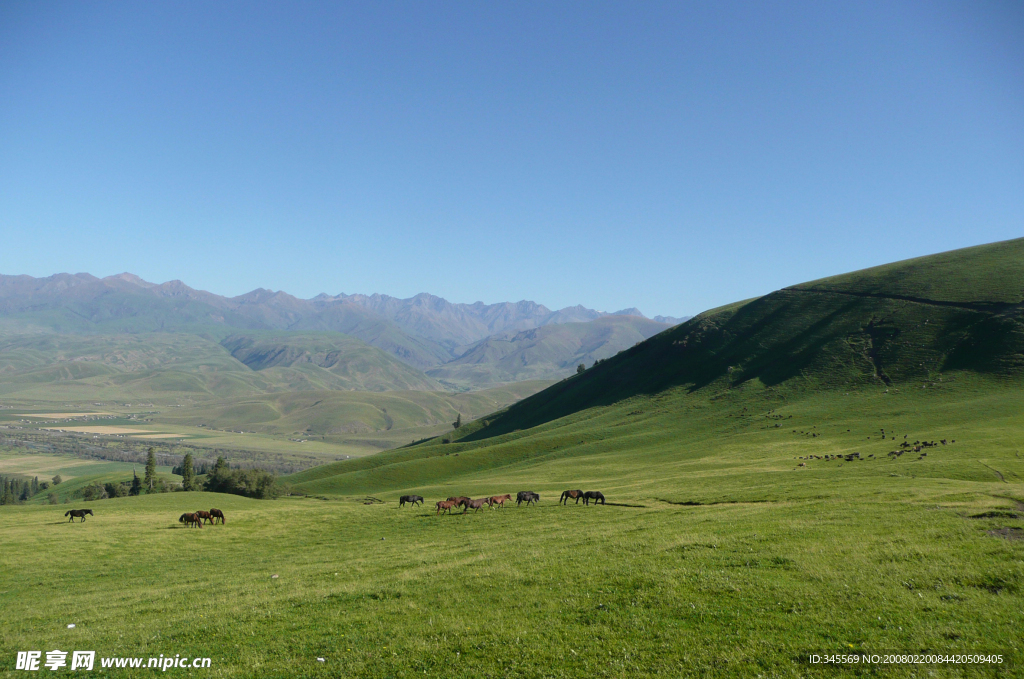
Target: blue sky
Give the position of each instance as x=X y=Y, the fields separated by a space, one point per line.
x=672 y=156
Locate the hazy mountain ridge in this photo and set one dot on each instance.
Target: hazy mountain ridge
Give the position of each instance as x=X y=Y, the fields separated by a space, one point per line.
x=425 y=331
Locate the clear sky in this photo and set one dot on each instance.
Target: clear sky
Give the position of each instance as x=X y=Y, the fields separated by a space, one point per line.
x=673 y=156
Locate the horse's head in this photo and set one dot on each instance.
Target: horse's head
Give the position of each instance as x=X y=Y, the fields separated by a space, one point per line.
x=88 y=511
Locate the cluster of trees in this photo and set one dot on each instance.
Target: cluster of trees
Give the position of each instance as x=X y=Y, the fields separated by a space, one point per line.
x=200 y=469
x=248 y=482
x=17 y=489
x=220 y=478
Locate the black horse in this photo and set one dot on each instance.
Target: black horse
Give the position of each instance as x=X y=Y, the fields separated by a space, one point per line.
x=411 y=499
x=526 y=496
x=79 y=513
x=594 y=495
x=570 y=495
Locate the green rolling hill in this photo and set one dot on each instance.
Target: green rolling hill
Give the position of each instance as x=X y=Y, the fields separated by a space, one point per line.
x=931 y=347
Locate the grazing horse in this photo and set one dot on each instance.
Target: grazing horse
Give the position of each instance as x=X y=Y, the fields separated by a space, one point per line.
x=411 y=499
x=80 y=513
x=570 y=494
x=190 y=520
x=204 y=516
x=475 y=505
x=594 y=495
x=499 y=500
x=459 y=501
x=444 y=506
x=526 y=496
x=217 y=514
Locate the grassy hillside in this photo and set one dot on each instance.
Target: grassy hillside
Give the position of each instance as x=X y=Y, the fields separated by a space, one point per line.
x=329 y=360
x=818 y=335
x=551 y=350
x=809 y=350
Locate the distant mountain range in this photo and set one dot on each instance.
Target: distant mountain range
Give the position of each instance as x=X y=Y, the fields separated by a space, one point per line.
x=461 y=345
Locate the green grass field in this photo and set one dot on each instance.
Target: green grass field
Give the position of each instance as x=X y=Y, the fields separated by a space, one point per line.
x=716 y=555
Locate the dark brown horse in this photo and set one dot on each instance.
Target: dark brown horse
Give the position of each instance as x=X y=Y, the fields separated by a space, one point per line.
x=526 y=496
x=79 y=513
x=499 y=500
x=411 y=499
x=476 y=505
x=444 y=506
x=571 y=494
x=190 y=520
x=595 y=495
x=217 y=514
x=204 y=516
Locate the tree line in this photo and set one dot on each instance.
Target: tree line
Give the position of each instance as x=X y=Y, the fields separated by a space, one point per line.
x=219 y=478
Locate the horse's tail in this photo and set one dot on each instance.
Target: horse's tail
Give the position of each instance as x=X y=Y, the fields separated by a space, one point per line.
x=67 y=512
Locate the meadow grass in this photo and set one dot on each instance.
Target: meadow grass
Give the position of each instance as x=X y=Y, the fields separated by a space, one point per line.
x=656 y=590
x=716 y=555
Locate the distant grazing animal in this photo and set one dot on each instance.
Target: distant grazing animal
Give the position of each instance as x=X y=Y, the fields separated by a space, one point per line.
x=204 y=516
x=444 y=506
x=217 y=514
x=475 y=505
x=526 y=496
x=79 y=513
x=190 y=520
x=411 y=499
x=594 y=495
x=499 y=500
x=570 y=494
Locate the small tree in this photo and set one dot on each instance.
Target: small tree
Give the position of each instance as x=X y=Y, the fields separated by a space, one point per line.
x=56 y=479
x=580 y=368
x=187 y=473
x=150 y=479
x=136 y=488
x=52 y=498
x=458 y=421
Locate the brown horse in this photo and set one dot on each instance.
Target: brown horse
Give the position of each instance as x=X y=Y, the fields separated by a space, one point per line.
x=476 y=505
x=190 y=520
x=499 y=500
x=444 y=506
x=571 y=494
x=217 y=514
x=78 y=513
x=459 y=501
x=204 y=516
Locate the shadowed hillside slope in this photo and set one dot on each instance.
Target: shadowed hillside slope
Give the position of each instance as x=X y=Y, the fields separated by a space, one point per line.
x=805 y=355
x=902 y=324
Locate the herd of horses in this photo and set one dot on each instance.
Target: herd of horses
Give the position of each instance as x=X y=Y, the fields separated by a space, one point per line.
x=196 y=519
x=527 y=496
